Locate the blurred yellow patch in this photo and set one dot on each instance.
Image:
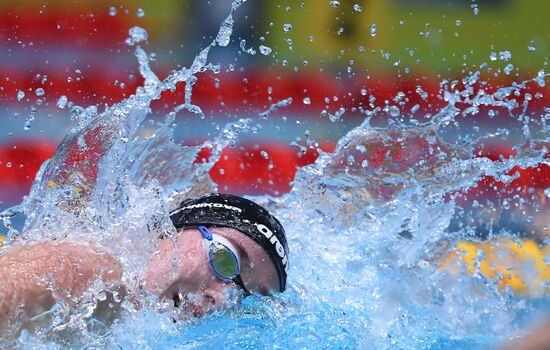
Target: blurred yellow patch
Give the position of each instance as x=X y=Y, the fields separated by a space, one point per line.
x=519 y=264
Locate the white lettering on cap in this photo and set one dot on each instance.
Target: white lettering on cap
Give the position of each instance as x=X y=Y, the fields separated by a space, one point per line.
x=275 y=241
x=208 y=205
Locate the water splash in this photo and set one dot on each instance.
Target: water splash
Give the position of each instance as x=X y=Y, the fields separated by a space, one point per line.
x=282 y=103
x=367 y=223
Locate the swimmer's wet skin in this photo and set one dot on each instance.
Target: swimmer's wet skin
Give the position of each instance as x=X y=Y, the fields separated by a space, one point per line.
x=224 y=246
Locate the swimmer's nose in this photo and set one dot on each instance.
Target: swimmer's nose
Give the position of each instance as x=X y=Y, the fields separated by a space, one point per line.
x=216 y=295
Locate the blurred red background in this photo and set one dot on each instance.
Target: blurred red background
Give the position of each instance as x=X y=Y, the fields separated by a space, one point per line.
x=330 y=59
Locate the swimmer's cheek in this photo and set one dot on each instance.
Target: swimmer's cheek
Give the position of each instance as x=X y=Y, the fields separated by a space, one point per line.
x=157 y=278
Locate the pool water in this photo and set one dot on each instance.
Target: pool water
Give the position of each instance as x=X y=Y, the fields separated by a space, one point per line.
x=368 y=225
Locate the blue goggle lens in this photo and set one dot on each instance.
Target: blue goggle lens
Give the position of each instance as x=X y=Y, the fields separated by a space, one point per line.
x=223 y=261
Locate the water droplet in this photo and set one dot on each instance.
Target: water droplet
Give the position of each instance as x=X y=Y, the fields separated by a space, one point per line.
x=508 y=69
x=336 y=116
x=265 y=50
x=423 y=94
x=458 y=22
x=137 y=34
x=287 y=27
x=334 y=3
x=493 y=56
x=9 y=164
x=311 y=38
x=475 y=7
x=20 y=95
x=140 y=12
x=540 y=78
x=39 y=92
x=62 y=101
x=373 y=30
x=307 y=100
x=394 y=111
x=365 y=163
x=531 y=48
x=547 y=192
x=264 y=154
x=504 y=55
x=357 y=8
x=112 y=11
x=28 y=122
x=364 y=92
x=224 y=34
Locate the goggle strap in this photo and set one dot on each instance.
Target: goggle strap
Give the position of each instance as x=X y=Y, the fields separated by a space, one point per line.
x=205 y=233
x=239 y=282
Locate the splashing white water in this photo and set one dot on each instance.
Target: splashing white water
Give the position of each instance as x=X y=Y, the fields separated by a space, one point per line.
x=365 y=223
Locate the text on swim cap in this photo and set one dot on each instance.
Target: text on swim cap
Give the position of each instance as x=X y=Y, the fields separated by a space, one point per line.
x=275 y=241
x=210 y=205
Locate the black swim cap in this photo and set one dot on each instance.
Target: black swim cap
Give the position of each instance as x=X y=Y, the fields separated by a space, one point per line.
x=224 y=210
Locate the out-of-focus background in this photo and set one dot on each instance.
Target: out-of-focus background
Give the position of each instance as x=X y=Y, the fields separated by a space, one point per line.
x=329 y=57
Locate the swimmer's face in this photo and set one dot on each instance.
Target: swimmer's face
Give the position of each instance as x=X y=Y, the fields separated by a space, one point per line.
x=180 y=271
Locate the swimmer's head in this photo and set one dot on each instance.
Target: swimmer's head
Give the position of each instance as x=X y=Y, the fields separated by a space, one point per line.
x=183 y=269
x=224 y=210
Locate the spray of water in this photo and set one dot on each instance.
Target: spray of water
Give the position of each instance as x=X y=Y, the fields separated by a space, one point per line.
x=367 y=224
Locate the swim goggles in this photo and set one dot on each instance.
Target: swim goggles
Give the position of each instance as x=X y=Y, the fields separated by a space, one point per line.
x=223 y=258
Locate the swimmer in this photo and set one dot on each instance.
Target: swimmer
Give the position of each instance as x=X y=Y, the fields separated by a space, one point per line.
x=224 y=246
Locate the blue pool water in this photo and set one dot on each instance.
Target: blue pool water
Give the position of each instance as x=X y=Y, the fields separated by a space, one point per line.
x=365 y=240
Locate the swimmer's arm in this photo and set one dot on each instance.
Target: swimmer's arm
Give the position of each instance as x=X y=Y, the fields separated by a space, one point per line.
x=34 y=277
